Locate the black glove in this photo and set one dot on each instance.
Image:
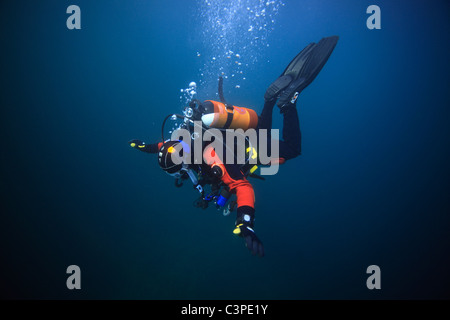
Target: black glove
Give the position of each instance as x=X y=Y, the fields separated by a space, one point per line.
x=142 y=146
x=137 y=144
x=251 y=240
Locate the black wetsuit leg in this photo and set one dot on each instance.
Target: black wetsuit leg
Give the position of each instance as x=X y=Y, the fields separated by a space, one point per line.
x=265 y=118
x=291 y=143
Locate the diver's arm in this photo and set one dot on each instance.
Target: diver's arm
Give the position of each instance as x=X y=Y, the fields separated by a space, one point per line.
x=245 y=219
x=236 y=181
x=142 y=146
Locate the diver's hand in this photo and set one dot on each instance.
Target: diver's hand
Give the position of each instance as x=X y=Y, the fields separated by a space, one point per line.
x=137 y=144
x=251 y=240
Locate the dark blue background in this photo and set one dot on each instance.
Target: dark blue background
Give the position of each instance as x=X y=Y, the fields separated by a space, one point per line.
x=372 y=185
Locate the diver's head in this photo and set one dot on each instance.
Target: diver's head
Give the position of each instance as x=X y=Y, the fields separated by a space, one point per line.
x=170 y=157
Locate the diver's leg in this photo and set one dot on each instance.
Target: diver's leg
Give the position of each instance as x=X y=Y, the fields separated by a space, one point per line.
x=265 y=118
x=291 y=145
x=265 y=122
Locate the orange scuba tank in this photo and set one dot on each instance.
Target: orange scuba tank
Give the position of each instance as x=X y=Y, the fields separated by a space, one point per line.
x=218 y=115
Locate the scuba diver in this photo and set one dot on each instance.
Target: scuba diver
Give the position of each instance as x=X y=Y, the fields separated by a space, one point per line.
x=231 y=179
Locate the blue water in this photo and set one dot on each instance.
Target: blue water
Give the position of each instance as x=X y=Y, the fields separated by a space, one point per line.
x=371 y=186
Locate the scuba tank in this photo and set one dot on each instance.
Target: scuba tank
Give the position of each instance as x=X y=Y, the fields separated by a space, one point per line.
x=223 y=116
x=215 y=114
